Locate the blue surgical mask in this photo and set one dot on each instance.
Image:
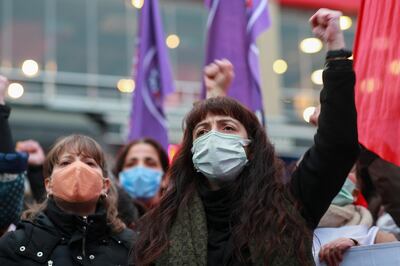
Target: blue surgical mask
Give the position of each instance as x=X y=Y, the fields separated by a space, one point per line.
x=141 y=182
x=220 y=156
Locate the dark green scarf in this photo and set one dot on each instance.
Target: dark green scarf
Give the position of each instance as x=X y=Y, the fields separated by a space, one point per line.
x=188 y=240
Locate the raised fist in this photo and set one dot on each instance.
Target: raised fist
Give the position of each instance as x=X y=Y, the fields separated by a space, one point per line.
x=218 y=77
x=35 y=151
x=325 y=24
x=3 y=88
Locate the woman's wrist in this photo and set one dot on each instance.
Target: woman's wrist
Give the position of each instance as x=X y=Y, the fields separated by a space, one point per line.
x=336 y=43
x=215 y=92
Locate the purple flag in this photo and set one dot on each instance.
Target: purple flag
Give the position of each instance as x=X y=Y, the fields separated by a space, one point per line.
x=233 y=27
x=153 y=78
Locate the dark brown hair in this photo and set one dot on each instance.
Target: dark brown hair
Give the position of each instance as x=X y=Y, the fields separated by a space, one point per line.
x=85 y=146
x=364 y=181
x=269 y=216
x=162 y=155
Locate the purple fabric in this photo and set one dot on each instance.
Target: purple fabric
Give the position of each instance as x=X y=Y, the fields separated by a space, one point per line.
x=153 y=78
x=233 y=27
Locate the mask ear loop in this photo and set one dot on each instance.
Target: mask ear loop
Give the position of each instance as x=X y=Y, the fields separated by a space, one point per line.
x=245 y=142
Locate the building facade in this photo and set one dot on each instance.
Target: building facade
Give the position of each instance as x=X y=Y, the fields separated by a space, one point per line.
x=74 y=58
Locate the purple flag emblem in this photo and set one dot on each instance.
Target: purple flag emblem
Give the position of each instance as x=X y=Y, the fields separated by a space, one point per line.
x=233 y=27
x=153 y=78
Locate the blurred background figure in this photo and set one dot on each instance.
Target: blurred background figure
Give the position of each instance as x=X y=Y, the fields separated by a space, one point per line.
x=380 y=183
x=346 y=224
x=140 y=170
x=350 y=219
x=376 y=183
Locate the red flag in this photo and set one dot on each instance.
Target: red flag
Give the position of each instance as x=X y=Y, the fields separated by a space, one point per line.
x=377 y=65
x=342 y=5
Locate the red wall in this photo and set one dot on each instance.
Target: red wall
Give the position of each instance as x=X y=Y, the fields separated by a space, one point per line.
x=348 y=6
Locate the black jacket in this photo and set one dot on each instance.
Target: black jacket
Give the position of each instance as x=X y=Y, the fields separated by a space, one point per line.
x=56 y=238
x=325 y=166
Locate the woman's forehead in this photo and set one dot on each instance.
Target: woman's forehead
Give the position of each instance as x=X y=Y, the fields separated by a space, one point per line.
x=217 y=118
x=141 y=150
x=74 y=152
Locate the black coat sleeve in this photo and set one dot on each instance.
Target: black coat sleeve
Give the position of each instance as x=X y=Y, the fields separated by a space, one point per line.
x=36 y=181
x=6 y=141
x=11 y=162
x=325 y=166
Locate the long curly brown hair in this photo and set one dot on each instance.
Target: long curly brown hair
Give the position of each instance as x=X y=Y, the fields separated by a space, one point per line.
x=267 y=214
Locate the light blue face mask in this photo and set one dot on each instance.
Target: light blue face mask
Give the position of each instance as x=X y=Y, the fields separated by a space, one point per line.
x=141 y=182
x=345 y=196
x=220 y=156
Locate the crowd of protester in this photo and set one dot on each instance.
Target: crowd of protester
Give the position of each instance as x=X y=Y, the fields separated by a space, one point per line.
x=222 y=201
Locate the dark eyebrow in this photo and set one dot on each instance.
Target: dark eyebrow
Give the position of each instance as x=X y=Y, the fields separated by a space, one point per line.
x=130 y=159
x=151 y=159
x=200 y=124
x=224 y=120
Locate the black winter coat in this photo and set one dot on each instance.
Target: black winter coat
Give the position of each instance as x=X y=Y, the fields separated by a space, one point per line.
x=55 y=238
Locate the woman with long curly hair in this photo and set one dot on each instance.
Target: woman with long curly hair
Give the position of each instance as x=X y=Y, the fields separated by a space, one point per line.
x=227 y=203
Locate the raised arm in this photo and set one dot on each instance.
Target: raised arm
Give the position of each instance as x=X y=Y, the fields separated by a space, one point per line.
x=218 y=76
x=11 y=162
x=6 y=141
x=325 y=166
x=12 y=168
